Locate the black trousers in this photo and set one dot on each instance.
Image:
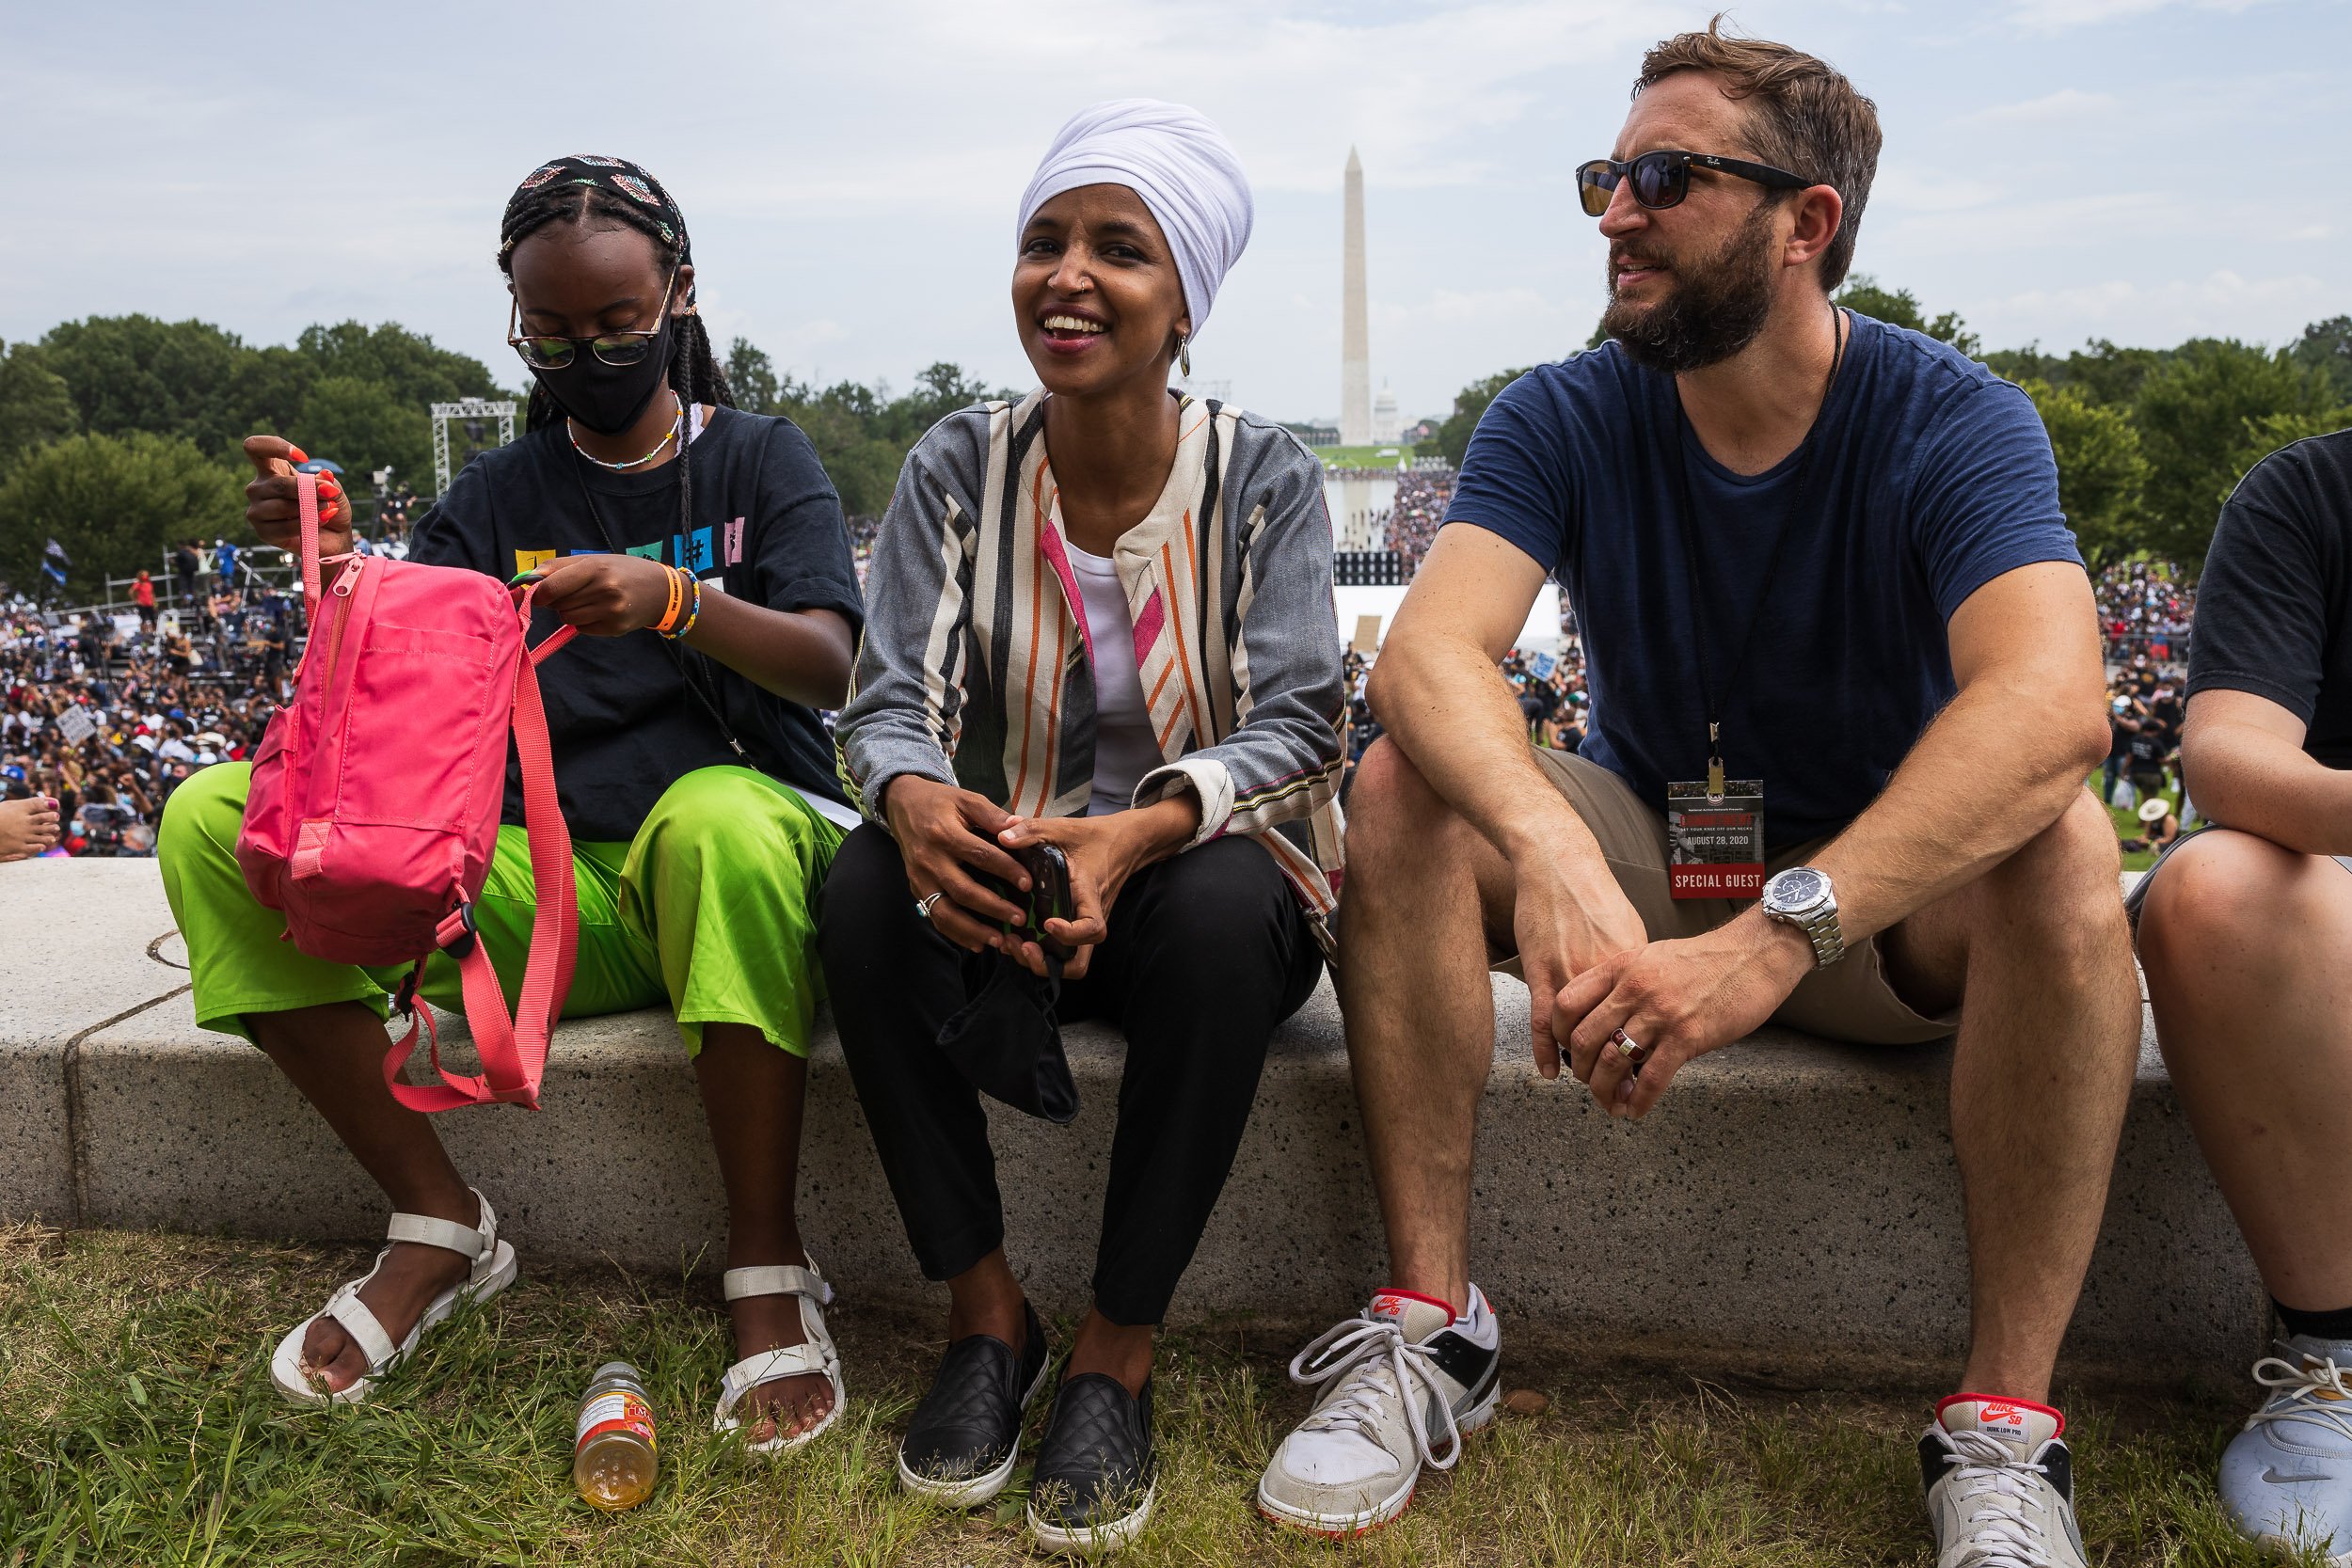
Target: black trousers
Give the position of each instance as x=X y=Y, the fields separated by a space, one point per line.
x=1207 y=953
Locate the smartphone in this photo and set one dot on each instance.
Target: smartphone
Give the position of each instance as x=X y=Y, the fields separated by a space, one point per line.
x=1049 y=892
x=1048 y=898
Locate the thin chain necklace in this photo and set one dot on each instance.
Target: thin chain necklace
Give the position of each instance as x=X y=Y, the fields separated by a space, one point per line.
x=677 y=420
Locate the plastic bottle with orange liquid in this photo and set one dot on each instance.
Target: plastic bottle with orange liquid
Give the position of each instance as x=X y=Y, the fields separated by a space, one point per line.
x=612 y=1447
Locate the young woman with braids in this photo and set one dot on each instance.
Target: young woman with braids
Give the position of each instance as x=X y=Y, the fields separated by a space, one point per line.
x=692 y=769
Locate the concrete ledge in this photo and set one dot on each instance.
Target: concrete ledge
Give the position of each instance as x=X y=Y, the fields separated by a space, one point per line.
x=1795 y=1199
x=74 y=953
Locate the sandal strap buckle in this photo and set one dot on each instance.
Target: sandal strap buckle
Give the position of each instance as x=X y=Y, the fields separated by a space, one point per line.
x=778 y=1279
x=361 y=1324
x=473 y=1242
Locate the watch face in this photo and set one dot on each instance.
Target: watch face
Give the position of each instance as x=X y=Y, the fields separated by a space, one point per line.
x=1796 y=888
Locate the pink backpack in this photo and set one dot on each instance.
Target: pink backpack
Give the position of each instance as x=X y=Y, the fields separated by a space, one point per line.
x=377 y=796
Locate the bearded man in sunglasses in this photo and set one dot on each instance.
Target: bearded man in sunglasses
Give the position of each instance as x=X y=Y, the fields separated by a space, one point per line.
x=1827 y=597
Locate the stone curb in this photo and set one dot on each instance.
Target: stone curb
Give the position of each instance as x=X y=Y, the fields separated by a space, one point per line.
x=1796 y=1198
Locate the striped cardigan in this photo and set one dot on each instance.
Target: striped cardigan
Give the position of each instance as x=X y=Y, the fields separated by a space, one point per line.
x=977 y=668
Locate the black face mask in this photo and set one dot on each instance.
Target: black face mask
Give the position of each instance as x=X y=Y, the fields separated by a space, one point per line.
x=604 y=398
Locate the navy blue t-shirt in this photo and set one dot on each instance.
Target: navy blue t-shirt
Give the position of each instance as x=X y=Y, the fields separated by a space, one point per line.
x=1930 y=476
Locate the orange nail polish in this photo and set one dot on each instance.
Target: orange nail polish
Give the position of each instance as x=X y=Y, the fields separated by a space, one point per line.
x=297 y=453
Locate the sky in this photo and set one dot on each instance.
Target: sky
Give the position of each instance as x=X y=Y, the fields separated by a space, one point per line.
x=2055 y=170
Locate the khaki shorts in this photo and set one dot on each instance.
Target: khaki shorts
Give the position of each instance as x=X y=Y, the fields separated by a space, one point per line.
x=1851 y=1000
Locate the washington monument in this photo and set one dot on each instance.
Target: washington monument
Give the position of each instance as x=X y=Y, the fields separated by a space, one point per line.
x=1355 y=320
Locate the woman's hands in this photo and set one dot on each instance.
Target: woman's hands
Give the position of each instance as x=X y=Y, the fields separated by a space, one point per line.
x=605 y=595
x=272 y=507
x=1102 y=852
x=945 y=835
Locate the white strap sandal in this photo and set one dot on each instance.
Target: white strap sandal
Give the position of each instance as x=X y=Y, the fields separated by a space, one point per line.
x=493 y=1271
x=817 y=1355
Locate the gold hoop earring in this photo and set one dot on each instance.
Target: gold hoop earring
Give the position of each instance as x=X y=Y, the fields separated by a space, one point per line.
x=1184 y=355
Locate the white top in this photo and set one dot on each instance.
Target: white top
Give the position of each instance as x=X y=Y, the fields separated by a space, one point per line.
x=1124 y=747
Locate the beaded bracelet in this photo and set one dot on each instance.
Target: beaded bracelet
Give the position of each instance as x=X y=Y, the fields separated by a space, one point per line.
x=694 y=590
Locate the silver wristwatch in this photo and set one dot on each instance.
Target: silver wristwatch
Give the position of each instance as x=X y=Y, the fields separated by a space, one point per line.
x=1802 y=897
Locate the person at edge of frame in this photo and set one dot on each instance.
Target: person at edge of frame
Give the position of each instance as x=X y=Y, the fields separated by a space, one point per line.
x=2243 y=927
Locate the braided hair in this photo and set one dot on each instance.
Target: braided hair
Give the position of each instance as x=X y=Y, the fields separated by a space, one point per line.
x=608 y=193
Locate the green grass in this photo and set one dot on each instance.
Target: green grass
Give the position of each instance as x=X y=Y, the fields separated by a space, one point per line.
x=1366 y=457
x=137 y=1426
x=2127 y=826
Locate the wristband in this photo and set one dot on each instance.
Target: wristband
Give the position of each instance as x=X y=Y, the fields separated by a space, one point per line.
x=678 y=598
x=690 y=586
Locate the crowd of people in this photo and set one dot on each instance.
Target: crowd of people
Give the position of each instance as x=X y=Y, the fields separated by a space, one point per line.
x=2145 y=610
x=1421 y=494
x=173 y=700
x=107 y=719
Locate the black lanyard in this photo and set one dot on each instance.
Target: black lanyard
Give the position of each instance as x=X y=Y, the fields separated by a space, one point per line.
x=687 y=673
x=1710 y=693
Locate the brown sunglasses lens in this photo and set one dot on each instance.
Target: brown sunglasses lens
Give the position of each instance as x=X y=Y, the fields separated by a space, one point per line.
x=1595 y=182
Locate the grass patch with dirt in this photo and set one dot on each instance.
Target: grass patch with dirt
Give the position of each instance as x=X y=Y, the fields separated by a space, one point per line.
x=137 y=1426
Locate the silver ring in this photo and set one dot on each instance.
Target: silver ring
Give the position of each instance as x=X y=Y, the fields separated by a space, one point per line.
x=923 y=906
x=1628 y=1047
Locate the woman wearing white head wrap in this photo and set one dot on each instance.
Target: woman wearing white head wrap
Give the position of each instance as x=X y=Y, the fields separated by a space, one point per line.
x=1123 y=654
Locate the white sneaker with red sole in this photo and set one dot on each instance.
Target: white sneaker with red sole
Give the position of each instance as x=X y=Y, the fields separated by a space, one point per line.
x=1396 y=1389
x=2000 y=1486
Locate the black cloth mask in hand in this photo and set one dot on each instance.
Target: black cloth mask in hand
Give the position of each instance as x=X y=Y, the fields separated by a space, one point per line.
x=607 y=399
x=1007 y=1041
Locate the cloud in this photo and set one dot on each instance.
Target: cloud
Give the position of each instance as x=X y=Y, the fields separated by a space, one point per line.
x=2223 y=302
x=1908 y=187
x=2062 y=106
x=2052 y=16
x=2056 y=223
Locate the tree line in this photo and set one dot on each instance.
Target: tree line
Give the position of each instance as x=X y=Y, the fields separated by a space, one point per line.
x=118 y=435
x=2149 y=442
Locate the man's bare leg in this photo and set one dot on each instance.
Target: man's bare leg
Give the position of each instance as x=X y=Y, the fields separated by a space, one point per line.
x=334 y=1055
x=2244 y=945
x=2038 y=955
x=1421 y=887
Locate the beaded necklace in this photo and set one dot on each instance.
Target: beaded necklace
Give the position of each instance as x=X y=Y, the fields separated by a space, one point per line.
x=671 y=435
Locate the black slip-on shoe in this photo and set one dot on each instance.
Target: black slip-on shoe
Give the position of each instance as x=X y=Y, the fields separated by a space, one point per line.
x=1096 y=1474
x=961 y=1446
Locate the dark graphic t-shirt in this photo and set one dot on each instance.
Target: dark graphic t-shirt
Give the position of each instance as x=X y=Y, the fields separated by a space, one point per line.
x=2274 y=608
x=766 y=528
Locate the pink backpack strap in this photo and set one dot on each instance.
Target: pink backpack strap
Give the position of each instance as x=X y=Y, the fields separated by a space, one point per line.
x=514 y=1052
x=307 y=498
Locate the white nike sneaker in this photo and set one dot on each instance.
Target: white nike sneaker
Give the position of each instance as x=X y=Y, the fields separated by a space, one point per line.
x=1399 y=1386
x=2000 y=1486
x=2286 y=1479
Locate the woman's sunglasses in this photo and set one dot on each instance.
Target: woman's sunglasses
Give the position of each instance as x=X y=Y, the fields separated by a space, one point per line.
x=1664 y=179
x=544 y=351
